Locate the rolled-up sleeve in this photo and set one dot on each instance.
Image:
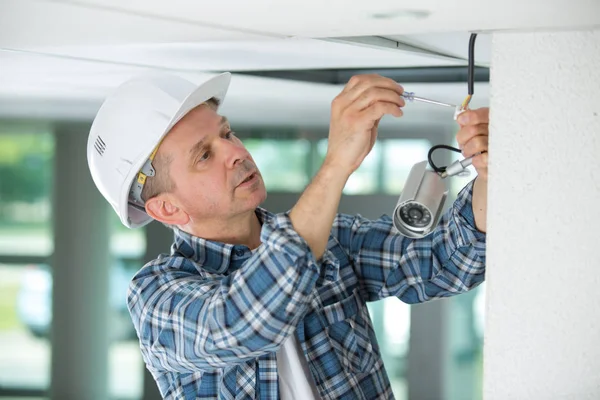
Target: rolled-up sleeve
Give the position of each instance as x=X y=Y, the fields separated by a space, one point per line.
x=449 y=261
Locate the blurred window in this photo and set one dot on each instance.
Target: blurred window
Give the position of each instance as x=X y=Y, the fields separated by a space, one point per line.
x=465 y=339
x=24 y=311
x=400 y=155
x=282 y=163
x=26 y=178
x=391 y=321
x=125 y=364
x=365 y=180
x=26 y=163
x=25 y=324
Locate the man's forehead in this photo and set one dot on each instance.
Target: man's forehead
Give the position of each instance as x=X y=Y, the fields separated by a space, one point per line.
x=200 y=121
x=199 y=118
x=205 y=113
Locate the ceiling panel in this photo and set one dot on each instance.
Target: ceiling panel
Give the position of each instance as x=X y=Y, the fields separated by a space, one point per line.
x=317 y=18
x=33 y=23
x=26 y=23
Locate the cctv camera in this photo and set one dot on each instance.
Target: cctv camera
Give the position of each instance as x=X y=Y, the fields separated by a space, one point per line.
x=421 y=203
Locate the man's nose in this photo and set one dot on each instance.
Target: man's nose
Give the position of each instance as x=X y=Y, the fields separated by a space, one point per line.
x=236 y=153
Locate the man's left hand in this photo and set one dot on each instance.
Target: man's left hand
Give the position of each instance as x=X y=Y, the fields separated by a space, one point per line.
x=473 y=137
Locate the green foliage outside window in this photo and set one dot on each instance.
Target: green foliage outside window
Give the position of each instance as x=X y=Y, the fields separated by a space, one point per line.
x=26 y=163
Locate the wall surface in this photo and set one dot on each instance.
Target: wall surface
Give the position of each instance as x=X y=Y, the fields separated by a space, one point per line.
x=543 y=280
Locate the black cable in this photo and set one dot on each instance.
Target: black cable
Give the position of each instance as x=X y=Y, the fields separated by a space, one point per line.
x=471 y=71
x=470 y=80
x=434 y=148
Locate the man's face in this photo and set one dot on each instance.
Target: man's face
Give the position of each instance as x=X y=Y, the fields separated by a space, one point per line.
x=214 y=175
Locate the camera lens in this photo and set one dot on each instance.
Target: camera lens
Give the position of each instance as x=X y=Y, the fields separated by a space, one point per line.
x=415 y=215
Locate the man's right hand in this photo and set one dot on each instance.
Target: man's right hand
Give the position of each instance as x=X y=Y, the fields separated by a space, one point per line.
x=355 y=115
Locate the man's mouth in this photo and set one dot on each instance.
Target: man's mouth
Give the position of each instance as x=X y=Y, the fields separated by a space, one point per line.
x=248 y=178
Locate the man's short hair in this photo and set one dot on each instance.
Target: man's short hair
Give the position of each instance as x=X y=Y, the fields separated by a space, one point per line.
x=161 y=182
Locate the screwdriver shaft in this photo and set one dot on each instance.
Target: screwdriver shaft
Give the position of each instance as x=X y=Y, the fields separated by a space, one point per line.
x=410 y=96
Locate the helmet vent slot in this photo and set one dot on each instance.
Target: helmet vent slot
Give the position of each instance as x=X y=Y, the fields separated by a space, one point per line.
x=99 y=145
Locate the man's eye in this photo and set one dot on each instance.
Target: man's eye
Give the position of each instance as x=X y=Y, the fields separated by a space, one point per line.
x=204 y=156
x=229 y=135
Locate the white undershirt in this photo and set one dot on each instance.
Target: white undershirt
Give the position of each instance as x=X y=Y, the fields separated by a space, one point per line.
x=295 y=379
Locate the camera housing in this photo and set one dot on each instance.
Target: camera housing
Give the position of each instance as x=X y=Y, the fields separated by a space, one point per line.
x=421 y=203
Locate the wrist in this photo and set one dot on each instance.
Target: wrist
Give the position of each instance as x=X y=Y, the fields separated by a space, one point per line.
x=336 y=168
x=333 y=175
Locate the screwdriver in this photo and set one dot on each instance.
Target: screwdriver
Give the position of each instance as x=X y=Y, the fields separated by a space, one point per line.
x=410 y=96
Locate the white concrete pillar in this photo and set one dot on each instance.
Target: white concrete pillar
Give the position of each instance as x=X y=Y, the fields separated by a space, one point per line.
x=428 y=352
x=543 y=278
x=80 y=264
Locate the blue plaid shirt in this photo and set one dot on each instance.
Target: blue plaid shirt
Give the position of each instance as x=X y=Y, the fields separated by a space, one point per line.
x=211 y=316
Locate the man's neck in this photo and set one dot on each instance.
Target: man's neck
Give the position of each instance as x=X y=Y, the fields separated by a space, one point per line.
x=243 y=229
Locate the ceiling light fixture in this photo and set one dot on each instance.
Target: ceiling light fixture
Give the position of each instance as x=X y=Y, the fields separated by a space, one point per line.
x=401 y=14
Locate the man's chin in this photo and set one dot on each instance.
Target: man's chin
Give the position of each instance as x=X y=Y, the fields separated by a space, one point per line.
x=254 y=198
x=262 y=198
x=259 y=195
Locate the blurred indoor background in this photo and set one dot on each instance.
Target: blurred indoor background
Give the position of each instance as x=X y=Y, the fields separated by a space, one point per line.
x=447 y=332
x=65 y=260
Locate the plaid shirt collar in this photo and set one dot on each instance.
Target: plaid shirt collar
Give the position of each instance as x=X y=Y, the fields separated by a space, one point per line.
x=214 y=257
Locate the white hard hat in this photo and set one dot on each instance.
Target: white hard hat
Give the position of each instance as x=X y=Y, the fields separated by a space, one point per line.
x=130 y=125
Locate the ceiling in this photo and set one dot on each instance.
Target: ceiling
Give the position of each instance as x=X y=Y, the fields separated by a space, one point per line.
x=44 y=22
x=60 y=58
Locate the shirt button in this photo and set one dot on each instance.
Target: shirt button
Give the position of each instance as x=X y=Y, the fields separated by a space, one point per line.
x=239 y=252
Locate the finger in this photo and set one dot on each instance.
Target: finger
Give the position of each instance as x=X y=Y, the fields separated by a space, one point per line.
x=374 y=134
x=468 y=132
x=370 y=80
x=480 y=162
x=475 y=145
x=474 y=117
x=483 y=174
x=359 y=83
x=373 y=95
x=378 y=110
x=355 y=80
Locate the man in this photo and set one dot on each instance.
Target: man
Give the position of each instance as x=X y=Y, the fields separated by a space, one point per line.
x=254 y=305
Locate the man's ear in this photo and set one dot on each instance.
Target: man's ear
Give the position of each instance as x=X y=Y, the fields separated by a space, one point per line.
x=162 y=209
